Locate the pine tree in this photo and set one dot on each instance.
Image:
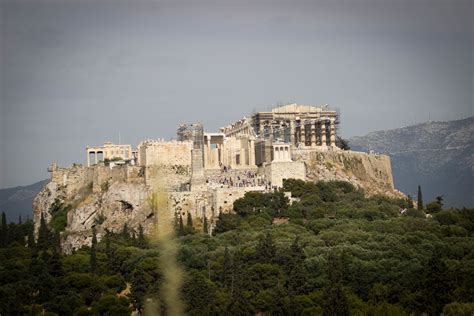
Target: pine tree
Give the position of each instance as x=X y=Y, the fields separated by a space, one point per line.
x=205 y=226
x=3 y=230
x=55 y=267
x=189 y=221
x=334 y=298
x=125 y=231
x=141 y=242
x=226 y=269
x=420 y=198
x=44 y=234
x=138 y=289
x=31 y=237
x=181 y=226
x=109 y=251
x=93 y=257
x=266 y=249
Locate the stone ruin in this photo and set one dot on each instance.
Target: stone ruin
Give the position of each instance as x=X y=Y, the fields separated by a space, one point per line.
x=203 y=173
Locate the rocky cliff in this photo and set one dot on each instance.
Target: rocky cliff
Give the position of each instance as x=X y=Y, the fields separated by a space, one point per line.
x=79 y=198
x=370 y=172
x=439 y=156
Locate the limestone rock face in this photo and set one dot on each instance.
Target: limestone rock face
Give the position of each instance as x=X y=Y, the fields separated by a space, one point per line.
x=370 y=172
x=108 y=202
x=43 y=202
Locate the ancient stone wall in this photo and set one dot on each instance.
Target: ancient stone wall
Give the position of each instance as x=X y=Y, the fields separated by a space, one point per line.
x=223 y=198
x=276 y=172
x=158 y=152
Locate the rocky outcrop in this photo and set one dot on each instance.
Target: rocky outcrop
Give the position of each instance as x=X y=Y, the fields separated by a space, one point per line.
x=95 y=197
x=370 y=172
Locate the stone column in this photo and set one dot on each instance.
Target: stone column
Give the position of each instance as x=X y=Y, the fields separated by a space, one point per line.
x=88 y=159
x=252 y=153
x=95 y=156
x=208 y=152
x=292 y=132
x=332 y=137
x=313 y=134
x=303 y=134
x=260 y=128
x=323 y=133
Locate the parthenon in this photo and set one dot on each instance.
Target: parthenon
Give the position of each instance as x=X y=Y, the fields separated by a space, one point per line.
x=301 y=126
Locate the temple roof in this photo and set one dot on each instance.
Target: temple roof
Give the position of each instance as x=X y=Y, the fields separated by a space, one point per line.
x=296 y=108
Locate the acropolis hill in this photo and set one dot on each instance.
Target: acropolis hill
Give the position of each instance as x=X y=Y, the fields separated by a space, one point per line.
x=204 y=173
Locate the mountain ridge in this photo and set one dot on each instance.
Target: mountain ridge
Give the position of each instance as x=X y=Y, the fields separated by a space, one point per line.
x=438 y=155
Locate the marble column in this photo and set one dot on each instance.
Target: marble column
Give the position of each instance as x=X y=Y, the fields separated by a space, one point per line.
x=303 y=134
x=313 y=134
x=252 y=153
x=323 y=133
x=292 y=132
x=208 y=151
x=332 y=137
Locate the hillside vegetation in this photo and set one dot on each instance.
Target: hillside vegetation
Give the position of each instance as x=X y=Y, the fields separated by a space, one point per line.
x=331 y=251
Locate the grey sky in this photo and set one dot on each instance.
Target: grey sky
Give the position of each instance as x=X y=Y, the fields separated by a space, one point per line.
x=76 y=73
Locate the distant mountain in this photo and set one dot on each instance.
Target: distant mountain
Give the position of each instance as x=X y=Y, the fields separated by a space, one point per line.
x=19 y=200
x=439 y=156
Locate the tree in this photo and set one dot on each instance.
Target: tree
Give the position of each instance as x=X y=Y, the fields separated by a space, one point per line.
x=44 y=234
x=227 y=269
x=342 y=143
x=334 y=298
x=141 y=241
x=93 y=257
x=3 y=230
x=180 y=226
x=266 y=249
x=205 y=226
x=31 y=237
x=125 y=231
x=420 y=198
x=138 y=289
x=189 y=221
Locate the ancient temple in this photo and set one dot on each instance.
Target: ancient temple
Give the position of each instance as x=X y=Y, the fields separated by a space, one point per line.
x=301 y=126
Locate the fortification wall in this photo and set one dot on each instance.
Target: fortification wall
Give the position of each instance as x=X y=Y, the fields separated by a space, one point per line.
x=223 y=198
x=157 y=152
x=276 y=172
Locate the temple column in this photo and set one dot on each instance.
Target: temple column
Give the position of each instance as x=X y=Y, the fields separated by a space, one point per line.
x=323 y=133
x=292 y=132
x=208 y=151
x=95 y=157
x=303 y=134
x=88 y=159
x=260 y=129
x=313 y=134
x=332 y=137
x=252 y=153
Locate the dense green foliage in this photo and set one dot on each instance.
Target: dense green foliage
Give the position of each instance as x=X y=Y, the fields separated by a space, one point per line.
x=332 y=251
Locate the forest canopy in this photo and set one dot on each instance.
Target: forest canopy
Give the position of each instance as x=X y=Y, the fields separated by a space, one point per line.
x=327 y=250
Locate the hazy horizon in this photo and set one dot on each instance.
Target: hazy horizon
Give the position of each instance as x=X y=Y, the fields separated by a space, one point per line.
x=77 y=73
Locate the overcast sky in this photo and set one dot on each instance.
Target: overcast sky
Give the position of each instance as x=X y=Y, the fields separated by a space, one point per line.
x=77 y=73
